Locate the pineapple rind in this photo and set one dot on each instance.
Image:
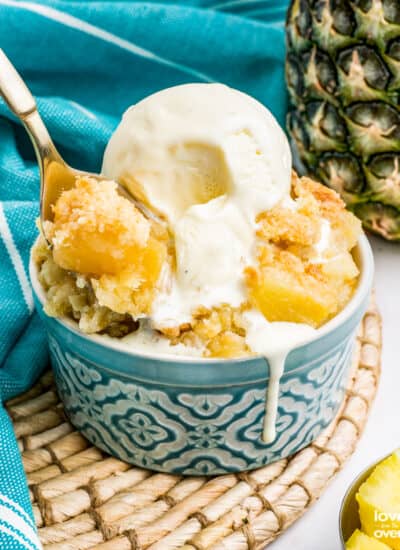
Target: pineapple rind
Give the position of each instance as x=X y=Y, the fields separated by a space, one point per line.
x=318 y=36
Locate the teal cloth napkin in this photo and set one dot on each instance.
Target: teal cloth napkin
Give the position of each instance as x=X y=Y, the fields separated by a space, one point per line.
x=86 y=62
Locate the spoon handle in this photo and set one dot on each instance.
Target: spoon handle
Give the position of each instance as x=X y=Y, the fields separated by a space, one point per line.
x=22 y=103
x=54 y=172
x=14 y=90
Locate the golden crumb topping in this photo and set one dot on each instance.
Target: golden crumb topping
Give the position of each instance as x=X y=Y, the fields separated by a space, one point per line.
x=100 y=234
x=96 y=230
x=107 y=259
x=305 y=272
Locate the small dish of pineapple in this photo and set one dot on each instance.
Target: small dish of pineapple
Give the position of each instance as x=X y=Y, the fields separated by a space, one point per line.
x=370 y=514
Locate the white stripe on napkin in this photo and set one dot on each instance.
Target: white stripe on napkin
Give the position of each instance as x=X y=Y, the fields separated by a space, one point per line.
x=16 y=259
x=12 y=504
x=11 y=533
x=81 y=25
x=9 y=518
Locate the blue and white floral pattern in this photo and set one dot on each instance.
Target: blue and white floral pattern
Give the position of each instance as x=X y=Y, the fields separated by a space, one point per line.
x=187 y=430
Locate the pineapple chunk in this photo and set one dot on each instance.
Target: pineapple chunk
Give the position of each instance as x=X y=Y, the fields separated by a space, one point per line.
x=379 y=501
x=346 y=228
x=305 y=273
x=95 y=230
x=361 y=541
x=98 y=233
x=282 y=295
x=340 y=267
x=132 y=290
x=227 y=344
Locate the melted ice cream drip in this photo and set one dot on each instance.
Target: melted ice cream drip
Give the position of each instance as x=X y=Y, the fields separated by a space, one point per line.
x=274 y=341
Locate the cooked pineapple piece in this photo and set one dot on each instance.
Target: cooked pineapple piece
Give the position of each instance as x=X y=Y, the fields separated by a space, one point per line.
x=132 y=290
x=283 y=295
x=305 y=271
x=341 y=267
x=285 y=290
x=96 y=231
x=227 y=344
x=361 y=541
x=346 y=228
x=379 y=501
x=100 y=234
x=71 y=295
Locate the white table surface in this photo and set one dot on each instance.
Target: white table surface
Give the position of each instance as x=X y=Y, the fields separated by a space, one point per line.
x=318 y=528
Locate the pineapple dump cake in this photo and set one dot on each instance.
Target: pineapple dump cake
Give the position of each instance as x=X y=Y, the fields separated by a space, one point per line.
x=243 y=257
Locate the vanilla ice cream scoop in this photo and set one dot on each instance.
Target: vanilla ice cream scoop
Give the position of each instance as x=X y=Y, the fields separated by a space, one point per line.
x=208 y=159
x=189 y=144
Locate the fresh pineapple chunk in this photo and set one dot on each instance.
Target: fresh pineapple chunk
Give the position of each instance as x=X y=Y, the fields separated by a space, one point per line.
x=379 y=502
x=361 y=541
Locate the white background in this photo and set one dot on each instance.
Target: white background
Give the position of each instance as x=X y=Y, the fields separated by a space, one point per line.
x=318 y=528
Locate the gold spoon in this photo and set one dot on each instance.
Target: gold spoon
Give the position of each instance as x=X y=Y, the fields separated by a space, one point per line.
x=56 y=175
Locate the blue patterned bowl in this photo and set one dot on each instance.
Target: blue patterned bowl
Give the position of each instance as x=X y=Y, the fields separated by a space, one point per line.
x=201 y=416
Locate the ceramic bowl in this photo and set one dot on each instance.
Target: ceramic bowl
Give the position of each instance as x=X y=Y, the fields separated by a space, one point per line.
x=201 y=416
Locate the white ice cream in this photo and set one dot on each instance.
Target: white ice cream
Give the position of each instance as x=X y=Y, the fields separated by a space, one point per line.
x=208 y=159
x=274 y=341
x=150 y=342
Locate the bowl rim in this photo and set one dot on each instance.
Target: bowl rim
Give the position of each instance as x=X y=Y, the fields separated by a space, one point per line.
x=365 y=261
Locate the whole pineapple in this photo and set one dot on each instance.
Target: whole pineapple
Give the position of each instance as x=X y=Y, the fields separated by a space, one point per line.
x=343 y=74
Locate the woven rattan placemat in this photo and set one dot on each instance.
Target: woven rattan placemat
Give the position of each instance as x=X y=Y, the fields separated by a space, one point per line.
x=84 y=499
